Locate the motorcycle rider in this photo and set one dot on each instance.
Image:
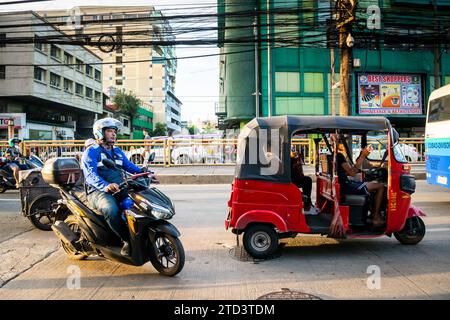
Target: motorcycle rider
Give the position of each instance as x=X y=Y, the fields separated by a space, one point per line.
x=102 y=182
x=14 y=157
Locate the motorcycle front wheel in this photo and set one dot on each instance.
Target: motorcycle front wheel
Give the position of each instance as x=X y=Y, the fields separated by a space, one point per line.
x=166 y=254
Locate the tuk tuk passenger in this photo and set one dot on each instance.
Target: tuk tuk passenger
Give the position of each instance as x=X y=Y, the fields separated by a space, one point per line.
x=299 y=178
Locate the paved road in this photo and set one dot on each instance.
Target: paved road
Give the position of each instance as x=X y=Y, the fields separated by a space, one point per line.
x=32 y=265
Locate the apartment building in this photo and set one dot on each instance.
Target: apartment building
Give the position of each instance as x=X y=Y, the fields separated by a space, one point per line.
x=153 y=77
x=56 y=92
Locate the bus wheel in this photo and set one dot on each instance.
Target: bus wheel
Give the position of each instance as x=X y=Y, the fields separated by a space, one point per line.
x=260 y=241
x=413 y=231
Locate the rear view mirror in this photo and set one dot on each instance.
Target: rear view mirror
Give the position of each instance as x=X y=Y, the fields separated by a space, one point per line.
x=152 y=157
x=109 y=163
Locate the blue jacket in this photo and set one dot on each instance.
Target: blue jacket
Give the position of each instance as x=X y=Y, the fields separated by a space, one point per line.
x=96 y=175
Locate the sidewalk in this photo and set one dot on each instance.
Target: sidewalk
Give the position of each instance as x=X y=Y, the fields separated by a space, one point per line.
x=224 y=174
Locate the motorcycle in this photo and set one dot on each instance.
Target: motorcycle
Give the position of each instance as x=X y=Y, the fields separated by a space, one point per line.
x=146 y=210
x=7 y=180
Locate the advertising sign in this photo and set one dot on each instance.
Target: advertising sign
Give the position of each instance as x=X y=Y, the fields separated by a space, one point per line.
x=18 y=119
x=389 y=94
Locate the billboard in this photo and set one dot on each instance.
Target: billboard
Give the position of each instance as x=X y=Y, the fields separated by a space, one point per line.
x=380 y=94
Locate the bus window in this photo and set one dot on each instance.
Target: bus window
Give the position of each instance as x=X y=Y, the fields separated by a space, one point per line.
x=439 y=109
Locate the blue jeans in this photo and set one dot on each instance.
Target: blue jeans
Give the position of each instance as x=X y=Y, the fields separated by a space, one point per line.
x=107 y=205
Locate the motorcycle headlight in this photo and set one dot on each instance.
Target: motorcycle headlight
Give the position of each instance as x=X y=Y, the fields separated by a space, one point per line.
x=161 y=212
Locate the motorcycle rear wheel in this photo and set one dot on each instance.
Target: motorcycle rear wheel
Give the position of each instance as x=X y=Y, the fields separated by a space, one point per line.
x=167 y=254
x=41 y=211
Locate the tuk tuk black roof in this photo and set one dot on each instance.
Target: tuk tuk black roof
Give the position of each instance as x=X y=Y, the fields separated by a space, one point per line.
x=321 y=123
x=287 y=126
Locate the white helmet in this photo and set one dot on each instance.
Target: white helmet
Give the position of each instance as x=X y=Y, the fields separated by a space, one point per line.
x=106 y=123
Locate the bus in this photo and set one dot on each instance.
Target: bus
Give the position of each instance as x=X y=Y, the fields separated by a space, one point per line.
x=437 y=138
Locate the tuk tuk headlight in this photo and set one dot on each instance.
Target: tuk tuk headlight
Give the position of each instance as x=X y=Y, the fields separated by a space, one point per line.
x=161 y=212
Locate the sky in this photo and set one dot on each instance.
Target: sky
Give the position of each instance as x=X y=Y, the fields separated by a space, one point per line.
x=197 y=82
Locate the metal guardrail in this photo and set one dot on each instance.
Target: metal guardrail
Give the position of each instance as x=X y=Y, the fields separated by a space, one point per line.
x=182 y=152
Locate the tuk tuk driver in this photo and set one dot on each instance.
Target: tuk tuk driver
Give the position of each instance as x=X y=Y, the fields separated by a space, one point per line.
x=345 y=168
x=101 y=182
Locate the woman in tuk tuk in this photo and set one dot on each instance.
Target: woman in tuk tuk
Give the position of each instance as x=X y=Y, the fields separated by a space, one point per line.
x=346 y=168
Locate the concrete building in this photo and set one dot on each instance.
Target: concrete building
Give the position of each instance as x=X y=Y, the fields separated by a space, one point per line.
x=392 y=75
x=153 y=79
x=47 y=97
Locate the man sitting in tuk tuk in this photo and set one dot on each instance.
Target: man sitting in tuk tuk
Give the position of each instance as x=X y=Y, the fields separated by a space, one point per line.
x=346 y=168
x=299 y=178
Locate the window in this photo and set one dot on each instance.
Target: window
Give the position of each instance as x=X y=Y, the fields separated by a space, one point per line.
x=313 y=82
x=126 y=123
x=2 y=37
x=119 y=82
x=89 y=70
x=439 y=109
x=68 y=59
x=79 y=89
x=119 y=60
x=447 y=80
x=55 y=80
x=98 y=75
x=79 y=65
x=97 y=96
x=119 y=72
x=68 y=85
x=299 y=105
x=287 y=81
x=286 y=30
x=38 y=46
x=2 y=72
x=89 y=93
x=55 y=52
x=39 y=74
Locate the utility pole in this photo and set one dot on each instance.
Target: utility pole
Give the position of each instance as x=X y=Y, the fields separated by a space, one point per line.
x=346 y=16
x=269 y=64
x=257 y=93
x=332 y=59
x=437 y=50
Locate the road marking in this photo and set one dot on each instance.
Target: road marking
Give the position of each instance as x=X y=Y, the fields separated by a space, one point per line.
x=438 y=229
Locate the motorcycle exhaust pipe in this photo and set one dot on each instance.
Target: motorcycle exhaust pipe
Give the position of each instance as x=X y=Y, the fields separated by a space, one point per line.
x=64 y=233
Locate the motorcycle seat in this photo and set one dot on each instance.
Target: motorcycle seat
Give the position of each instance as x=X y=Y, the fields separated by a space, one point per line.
x=79 y=193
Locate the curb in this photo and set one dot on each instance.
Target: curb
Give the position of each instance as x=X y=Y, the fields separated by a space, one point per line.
x=222 y=178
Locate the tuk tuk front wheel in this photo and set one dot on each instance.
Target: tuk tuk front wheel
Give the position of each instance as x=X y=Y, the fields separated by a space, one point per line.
x=413 y=231
x=260 y=241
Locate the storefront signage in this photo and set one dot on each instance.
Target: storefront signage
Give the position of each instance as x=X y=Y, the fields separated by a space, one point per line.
x=19 y=120
x=389 y=94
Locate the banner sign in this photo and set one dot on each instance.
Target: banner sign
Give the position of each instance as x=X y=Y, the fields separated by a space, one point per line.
x=389 y=94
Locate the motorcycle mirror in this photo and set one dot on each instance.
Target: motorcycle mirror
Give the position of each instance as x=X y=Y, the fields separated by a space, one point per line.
x=152 y=157
x=109 y=163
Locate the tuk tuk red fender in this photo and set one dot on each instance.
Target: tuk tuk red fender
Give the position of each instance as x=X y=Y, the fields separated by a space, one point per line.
x=261 y=216
x=413 y=211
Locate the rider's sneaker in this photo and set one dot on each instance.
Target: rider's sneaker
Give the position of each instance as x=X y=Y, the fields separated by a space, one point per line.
x=125 y=249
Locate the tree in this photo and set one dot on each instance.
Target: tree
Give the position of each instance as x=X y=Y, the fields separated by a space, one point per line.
x=192 y=129
x=128 y=104
x=160 y=130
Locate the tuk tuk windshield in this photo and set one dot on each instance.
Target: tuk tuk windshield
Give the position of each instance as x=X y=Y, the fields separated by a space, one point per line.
x=379 y=142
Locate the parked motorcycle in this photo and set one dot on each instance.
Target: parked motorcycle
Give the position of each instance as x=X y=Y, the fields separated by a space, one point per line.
x=146 y=209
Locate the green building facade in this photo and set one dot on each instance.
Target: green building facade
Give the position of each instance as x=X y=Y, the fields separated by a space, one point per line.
x=300 y=65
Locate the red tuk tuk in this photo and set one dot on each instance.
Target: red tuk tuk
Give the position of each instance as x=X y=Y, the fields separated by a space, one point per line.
x=266 y=206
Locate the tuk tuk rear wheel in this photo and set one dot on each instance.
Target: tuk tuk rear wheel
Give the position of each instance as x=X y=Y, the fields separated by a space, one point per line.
x=260 y=241
x=413 y=231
